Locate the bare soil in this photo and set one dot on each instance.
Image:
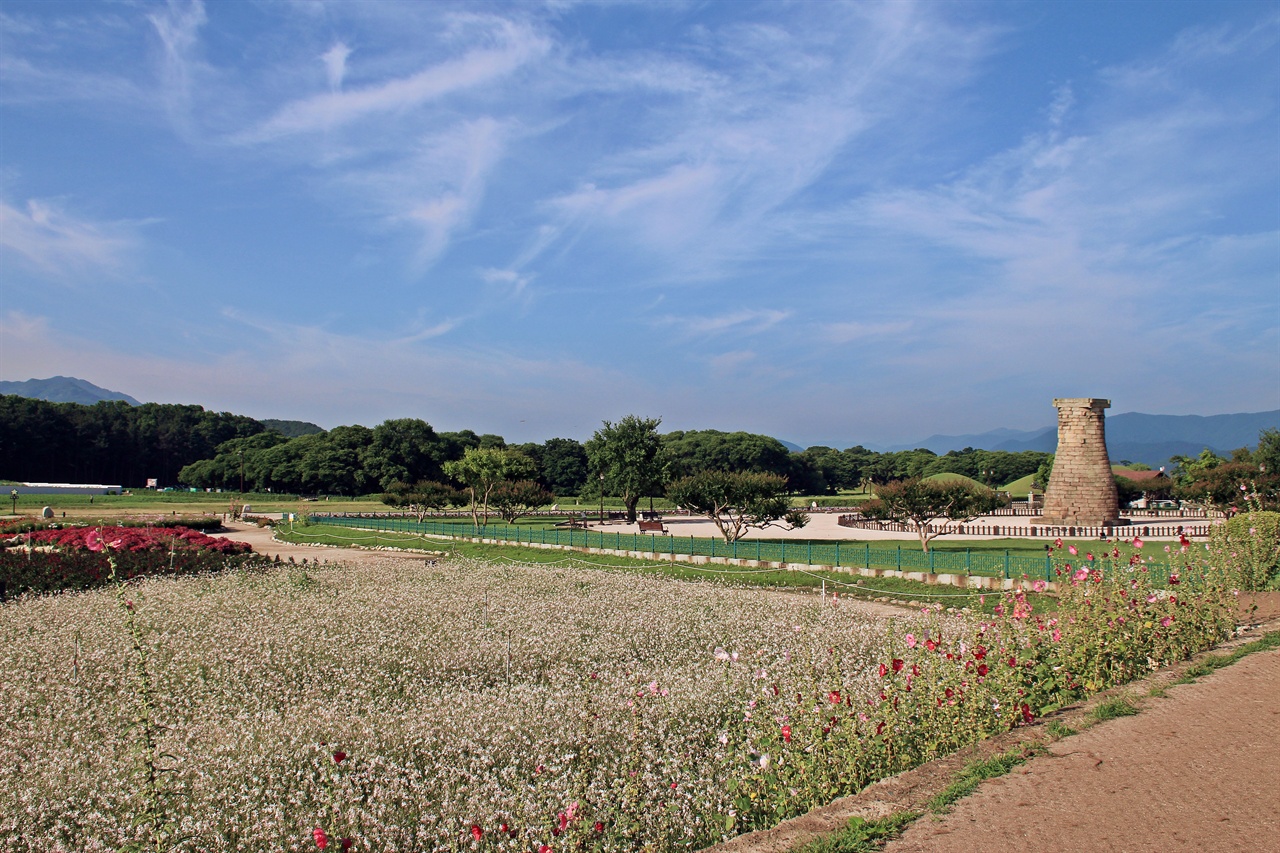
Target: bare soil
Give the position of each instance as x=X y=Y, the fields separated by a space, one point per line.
x=1193 y=771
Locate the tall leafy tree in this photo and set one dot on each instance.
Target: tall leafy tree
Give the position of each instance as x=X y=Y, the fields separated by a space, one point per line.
x=737 y=501
x=481 y=469
x=629 y=456
x=919 y=503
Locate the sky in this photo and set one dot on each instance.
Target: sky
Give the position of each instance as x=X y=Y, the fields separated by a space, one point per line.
x=831 y=223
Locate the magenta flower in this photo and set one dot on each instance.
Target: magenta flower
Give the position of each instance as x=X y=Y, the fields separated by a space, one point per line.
x=322 y=840
x=786 y=734
x=911 y=641
x=1071 y=549
x=476 y=832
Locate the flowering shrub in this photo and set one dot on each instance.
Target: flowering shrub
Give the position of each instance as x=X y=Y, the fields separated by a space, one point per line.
x=77 y=557
x=1249 y=545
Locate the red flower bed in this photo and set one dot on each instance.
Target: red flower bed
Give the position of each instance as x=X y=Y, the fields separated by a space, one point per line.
x=80 y=556
x=134 y=539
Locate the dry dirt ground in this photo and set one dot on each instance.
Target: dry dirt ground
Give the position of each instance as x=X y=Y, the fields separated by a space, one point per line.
x=1195 y=770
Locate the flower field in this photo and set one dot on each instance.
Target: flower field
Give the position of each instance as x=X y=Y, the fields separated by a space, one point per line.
x=475 y=706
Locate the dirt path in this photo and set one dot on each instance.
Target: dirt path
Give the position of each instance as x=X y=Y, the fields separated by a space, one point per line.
x=263 y=543
x=1193 y=771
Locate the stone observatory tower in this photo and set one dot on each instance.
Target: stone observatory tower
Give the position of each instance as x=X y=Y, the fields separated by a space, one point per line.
x=1082 y=490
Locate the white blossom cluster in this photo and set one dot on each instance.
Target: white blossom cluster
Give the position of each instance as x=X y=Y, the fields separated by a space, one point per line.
x=571 y=708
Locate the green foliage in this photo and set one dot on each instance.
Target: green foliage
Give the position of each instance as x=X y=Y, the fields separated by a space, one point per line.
x=481 y=469
x=629 y=455
x=109 y=442
x=989 y=467
x=862 y=836
x=1043 y=473
x=1111 y=709
x=1248 y=546
x=920 y=503
x=711 y=450
x=513 y=499
x=736 y=501
x=422 y=497
x=978 y=772
x=562 y=466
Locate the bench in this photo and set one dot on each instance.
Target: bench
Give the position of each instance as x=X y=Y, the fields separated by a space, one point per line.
x=653 y=527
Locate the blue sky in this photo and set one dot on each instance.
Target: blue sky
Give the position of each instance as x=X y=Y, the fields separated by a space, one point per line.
x=835 y=223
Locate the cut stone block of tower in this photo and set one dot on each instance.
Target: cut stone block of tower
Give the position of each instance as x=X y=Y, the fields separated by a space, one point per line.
x=1082 y=490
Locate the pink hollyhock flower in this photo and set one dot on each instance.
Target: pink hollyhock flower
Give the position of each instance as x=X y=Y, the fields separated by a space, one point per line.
x=476 y=832
x=834 y=697
x=884 y=670
x=898 y=664
x=786 y=734
x=930 y=645
x=1039 y=586
x=1166 y=622
x=982 y=669
x=322 y=840
x=93 y=541
x=1057 y=635
x=1137 y=543
x=911 y=641
x=1089 y=556
x=1081 y=574
x=1071 y=549
x=1057 y=543
x=599 y=826
x=545 y=848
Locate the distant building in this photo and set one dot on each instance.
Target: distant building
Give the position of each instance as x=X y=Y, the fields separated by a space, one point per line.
x=66 y=489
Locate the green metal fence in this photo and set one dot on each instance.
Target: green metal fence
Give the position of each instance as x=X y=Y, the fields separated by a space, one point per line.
x=848 y=555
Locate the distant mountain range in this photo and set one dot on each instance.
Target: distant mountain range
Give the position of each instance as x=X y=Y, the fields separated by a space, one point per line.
x=1150 y=439
x=64 y=389
x=68 y=389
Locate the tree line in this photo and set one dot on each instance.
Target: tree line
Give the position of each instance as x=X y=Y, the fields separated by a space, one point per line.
x=185 y=445
x=109 y=442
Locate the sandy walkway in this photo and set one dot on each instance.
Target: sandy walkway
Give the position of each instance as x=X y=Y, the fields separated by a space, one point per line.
x=1193 y=771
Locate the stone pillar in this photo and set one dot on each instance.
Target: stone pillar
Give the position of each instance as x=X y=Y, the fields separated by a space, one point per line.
x=1082 y=490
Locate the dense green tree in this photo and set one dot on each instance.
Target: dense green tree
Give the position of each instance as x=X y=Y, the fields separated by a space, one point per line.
x=737 y=501
x=563 y=466
x=711 y=450
x=405 y=450
x=630 y=456
x=919 y=503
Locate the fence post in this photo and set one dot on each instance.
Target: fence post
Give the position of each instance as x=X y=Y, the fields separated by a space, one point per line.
x=1006 y=562
x=931 y=553
x=1048 y=567
x=837 y=553
x=810 y=556
x=968 y=561
x=784 y=550
x=868 y=555
x=899 y=558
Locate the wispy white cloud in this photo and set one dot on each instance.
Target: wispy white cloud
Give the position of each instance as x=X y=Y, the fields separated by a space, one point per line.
x=335 y=64
x=61 y=246
x=746 y=321
x=515 y=46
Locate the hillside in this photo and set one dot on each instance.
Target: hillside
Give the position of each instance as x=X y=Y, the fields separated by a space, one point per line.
x=64 y=389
